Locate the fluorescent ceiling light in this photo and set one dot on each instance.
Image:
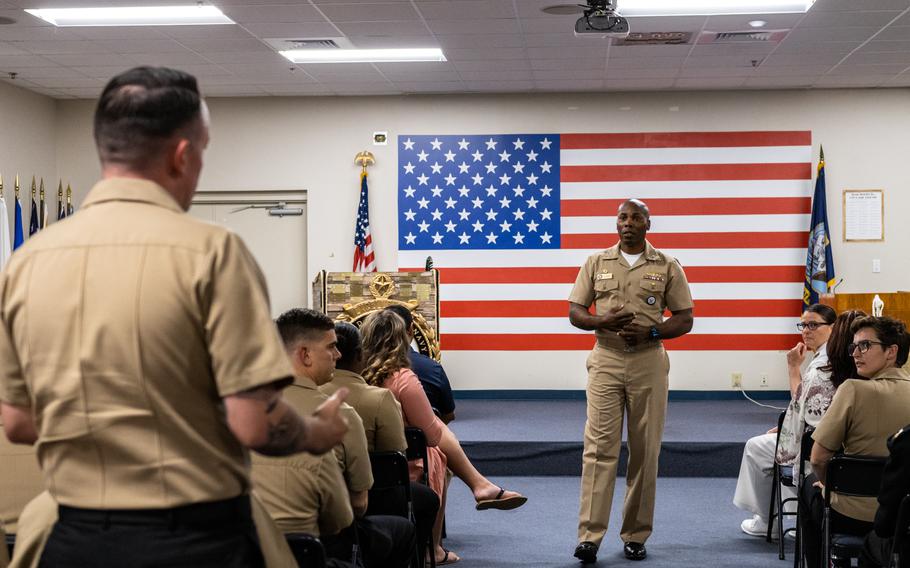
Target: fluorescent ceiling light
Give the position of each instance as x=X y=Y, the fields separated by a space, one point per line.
x=363 y=55
x=635 y=8
x=135 y=16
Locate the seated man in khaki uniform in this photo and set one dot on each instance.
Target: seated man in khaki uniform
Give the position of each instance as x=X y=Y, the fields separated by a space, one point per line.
x=382 y=423
x=156 y=368
x=309 y=338
x=304 y=494
x=863 y=414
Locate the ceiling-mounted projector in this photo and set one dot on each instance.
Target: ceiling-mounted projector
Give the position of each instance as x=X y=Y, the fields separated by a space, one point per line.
x=600 y=18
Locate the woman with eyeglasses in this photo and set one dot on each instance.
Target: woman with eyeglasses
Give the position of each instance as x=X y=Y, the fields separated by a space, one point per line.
x=811 y=391
x=862 y=415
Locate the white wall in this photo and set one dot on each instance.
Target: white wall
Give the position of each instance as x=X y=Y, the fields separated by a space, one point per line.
x=27 y=144
x=310 y=143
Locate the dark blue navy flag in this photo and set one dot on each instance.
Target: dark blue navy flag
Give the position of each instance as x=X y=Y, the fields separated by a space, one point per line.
x=819 y=259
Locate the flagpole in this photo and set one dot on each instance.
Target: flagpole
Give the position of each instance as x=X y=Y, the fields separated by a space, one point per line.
x=69 y=200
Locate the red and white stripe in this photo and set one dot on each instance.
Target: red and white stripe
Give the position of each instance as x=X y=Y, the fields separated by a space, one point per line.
x=733 y=207
x=365 y=260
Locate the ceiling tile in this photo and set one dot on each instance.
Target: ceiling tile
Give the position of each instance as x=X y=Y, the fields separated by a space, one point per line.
x=567 y=53
x=46 y=47
x=494 y=26
x=801 y=82
x=480 y=76
x=480 y=41
x=273 y=14
x=493 y=65
x=843 y=19
x=638 y=84
x=393 y=41
x=26 y=61
x=741 y=22
x=485 y=86
x=224 y=45
x=639 y=62
x=618 y=51
x=178 y=59
x=855 y=33
x=895 y=33
x=425 y=77
x=574 y=86
x=467 y=9
x=588 y=64
x=643 y=73
x=106 y=33
x=869 y=70
x=294 y=30
x=93 y=60
x=851 y=81
x=430 y=86
x=485 y=54
x=791 y=71
x=851 y=5
x=568 y=75
x=710 y=83
x=415 y=27
x=11 y=49
x=145 y=46
x=863 y=58
x=369 y=12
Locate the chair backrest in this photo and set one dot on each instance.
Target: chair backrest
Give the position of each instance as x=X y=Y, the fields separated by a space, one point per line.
x=417 y=449
x=805 y=450
x=307 y=549
x=391 y=484
x=902 y=528
x=856 y=476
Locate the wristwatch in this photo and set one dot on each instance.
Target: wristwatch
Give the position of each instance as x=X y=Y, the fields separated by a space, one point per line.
x=654 y=335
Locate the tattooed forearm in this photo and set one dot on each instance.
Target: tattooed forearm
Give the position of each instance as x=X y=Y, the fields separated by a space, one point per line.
x=286 y=432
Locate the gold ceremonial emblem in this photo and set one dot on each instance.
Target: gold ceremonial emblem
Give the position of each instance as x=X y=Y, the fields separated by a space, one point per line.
x=382 y=286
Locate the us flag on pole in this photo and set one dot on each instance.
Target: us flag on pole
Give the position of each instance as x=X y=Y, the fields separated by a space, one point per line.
x=364 y=260
x=509 y=219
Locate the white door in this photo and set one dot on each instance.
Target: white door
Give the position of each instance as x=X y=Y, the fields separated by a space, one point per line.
x=274 y=234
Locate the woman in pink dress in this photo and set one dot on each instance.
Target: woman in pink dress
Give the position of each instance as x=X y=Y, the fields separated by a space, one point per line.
x=385 y=346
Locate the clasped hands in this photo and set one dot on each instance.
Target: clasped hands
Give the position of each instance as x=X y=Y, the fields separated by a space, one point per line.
x=621 y=322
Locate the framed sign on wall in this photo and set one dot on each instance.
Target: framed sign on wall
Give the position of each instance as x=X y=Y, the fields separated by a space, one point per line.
x=864 y=215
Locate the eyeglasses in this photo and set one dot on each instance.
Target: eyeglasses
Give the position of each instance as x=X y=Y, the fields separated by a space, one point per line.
x=863 y=346
x=810 y=325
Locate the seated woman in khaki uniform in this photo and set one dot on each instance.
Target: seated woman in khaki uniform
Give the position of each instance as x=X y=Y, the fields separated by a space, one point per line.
x=863 y=414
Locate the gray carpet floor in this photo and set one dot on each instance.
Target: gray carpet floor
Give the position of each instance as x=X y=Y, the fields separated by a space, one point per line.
x=564 y=420
x=696 y=525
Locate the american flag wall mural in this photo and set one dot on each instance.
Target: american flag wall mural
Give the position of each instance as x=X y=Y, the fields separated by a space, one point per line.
x=508 y=220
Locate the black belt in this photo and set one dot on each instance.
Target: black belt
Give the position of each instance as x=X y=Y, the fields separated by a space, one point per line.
x=214 y=513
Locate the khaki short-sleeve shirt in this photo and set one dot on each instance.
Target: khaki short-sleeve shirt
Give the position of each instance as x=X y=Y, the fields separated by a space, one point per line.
x=352 y=453
x=862 y=415
x=123 y=327
x=377 y=407
x=655 y=283
x=303 y=493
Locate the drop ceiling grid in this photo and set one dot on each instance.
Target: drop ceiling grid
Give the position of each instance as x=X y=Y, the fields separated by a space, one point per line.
x=492 y=46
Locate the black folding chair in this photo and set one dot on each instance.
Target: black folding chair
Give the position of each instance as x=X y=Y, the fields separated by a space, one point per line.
x=782 y=475
x=805 y=450
x=853 y=476
x=900 y=545
x=307 y=549
x=392 y=488
x=417 y=449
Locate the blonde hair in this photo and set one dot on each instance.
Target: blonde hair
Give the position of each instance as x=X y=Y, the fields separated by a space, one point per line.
x=385 y=346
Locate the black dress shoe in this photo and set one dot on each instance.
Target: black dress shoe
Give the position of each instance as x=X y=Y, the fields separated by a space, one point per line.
x=635 y=551
x=586 y=552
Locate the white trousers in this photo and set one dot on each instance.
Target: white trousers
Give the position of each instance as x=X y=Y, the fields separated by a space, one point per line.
x=756 y=472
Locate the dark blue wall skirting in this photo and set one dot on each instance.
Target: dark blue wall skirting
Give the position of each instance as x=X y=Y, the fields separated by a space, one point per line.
x=580 y=395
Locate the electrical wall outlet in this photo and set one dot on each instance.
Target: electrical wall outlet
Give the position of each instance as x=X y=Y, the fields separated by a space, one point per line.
x=764 y=381
x=736 y=380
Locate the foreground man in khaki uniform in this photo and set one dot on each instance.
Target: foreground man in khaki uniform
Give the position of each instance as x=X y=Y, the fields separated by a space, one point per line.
x=630 y=285
x=137 y=351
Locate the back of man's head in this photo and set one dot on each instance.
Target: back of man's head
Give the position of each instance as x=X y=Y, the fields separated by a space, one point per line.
x=140 y=110
x=350 y=345
x=404 y=313
x=302 y=324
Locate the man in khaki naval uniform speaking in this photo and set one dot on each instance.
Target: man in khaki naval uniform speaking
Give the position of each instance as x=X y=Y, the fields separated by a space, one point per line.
x=630 y=285
x=137 y=350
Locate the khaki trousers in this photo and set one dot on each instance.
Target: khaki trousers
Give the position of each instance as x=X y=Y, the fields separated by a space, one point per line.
x=622 y=383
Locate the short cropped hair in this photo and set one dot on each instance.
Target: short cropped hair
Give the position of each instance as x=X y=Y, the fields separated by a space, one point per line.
x=642 y=206
x=140 y=109
x=404 y=313
x=889 y=331
x=350 y=344
x=827 y=313
x=302 y=324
